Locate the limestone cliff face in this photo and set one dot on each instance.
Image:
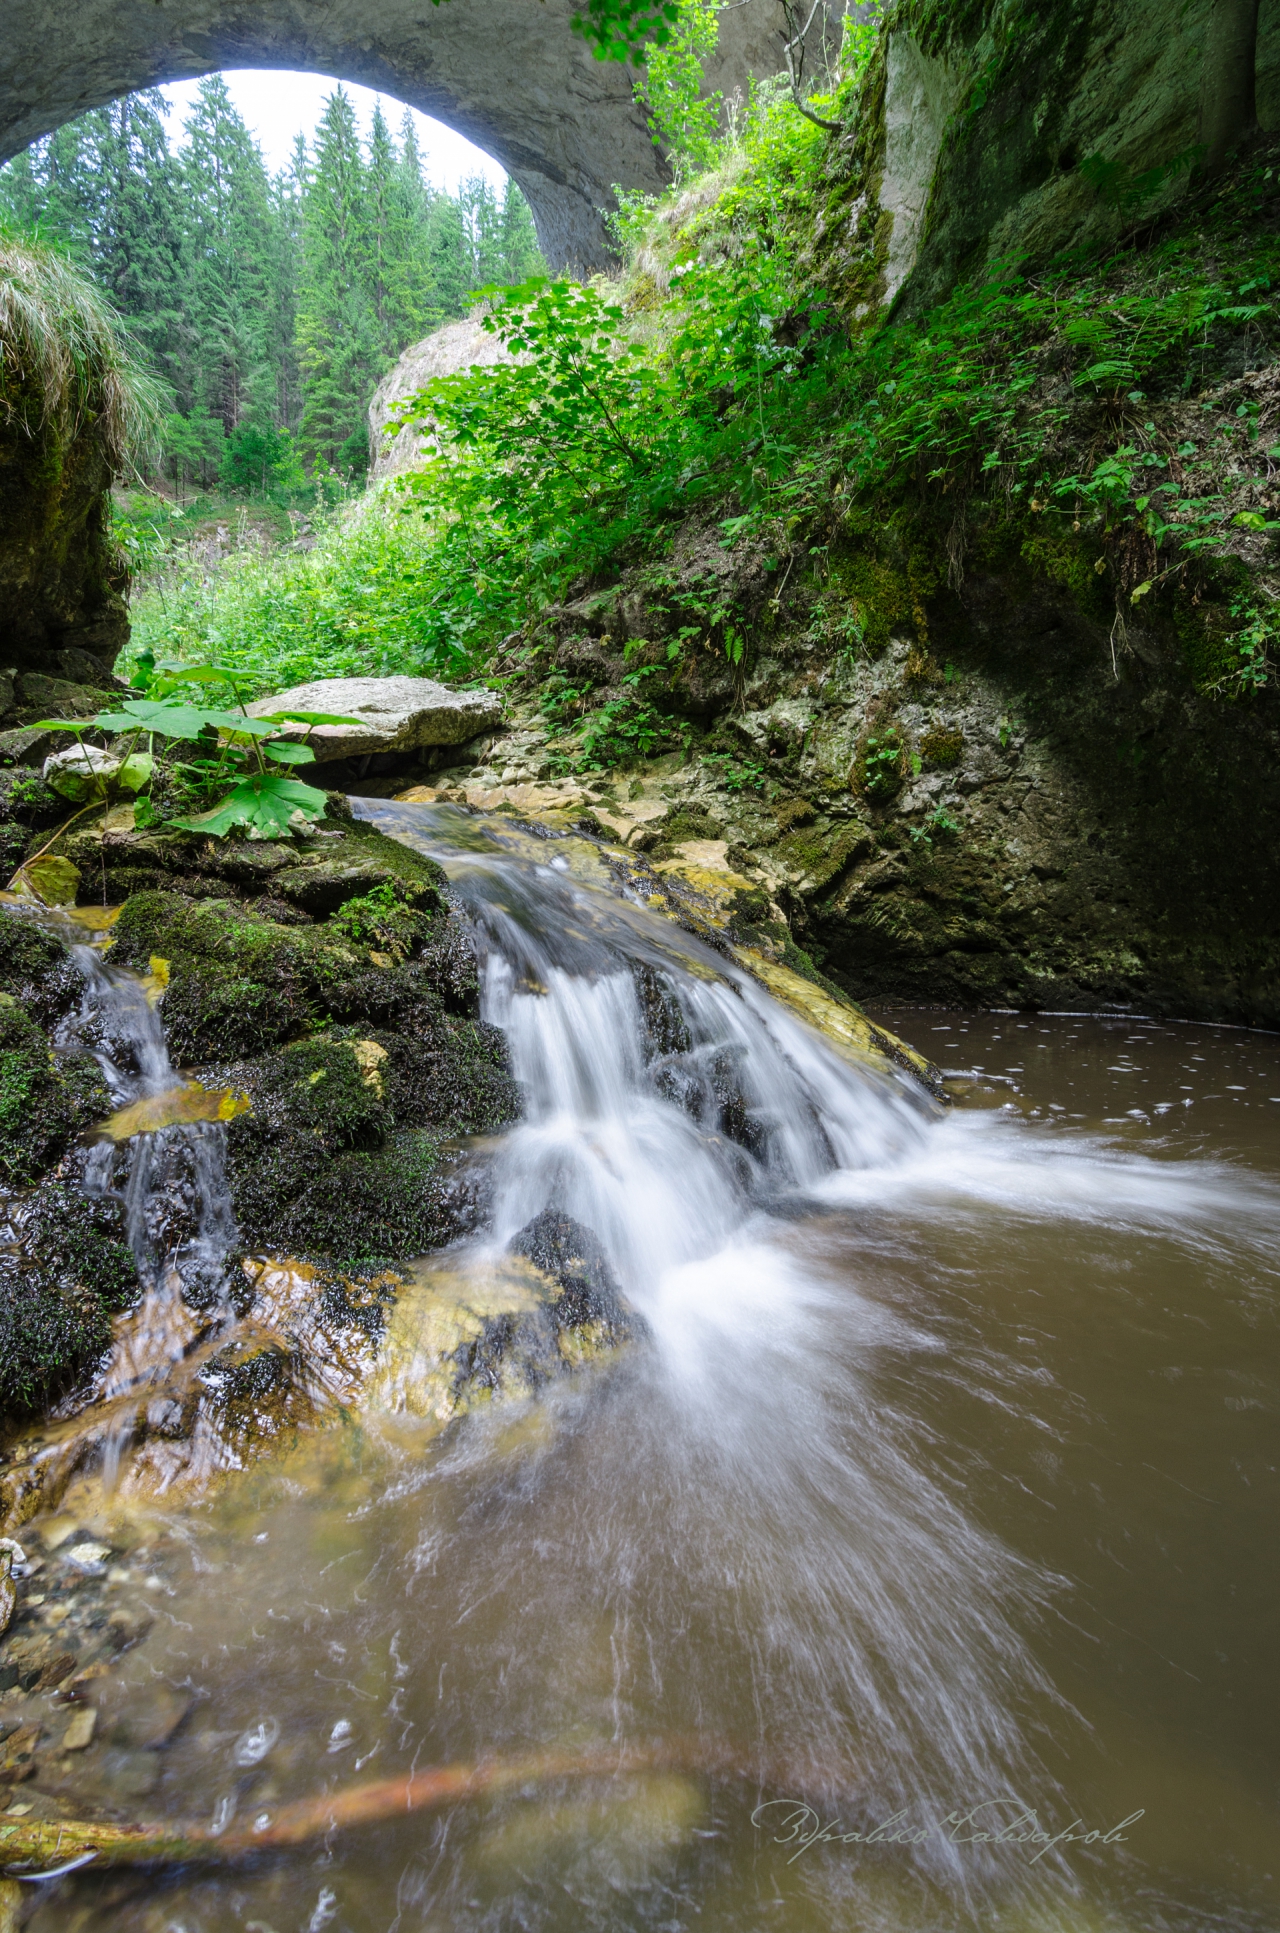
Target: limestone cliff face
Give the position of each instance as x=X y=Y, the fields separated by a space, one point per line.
x=446 y=352
x=1000 y=797
x=973 y=123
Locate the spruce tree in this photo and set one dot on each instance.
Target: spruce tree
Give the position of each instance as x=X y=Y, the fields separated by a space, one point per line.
x=233 y=253
x=271 y=307
x=337 y=327
x=519 y=254
x=449 y=256
x=413 y=297
x=480 y=221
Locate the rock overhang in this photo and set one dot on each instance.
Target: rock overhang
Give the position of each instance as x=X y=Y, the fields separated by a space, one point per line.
x=508 y=75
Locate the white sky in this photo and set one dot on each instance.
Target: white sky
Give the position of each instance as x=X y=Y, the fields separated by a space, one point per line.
x=277 y=106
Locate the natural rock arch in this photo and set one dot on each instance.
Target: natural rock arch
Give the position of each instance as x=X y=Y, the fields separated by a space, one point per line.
x=508 y=74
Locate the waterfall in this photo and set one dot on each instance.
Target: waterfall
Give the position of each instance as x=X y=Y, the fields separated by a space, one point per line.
x=682 y=1116
x=170 y=1182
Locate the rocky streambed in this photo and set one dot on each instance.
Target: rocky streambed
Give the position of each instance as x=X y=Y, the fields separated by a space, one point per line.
x=253 y=1129
x=625 y=1323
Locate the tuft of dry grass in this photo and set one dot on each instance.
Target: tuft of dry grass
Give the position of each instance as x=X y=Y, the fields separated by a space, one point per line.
x=66 y=362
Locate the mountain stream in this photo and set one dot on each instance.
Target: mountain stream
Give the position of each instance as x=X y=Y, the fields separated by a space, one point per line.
x=935 y=1491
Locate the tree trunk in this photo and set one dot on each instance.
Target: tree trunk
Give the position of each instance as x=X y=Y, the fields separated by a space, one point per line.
x=1228 y=104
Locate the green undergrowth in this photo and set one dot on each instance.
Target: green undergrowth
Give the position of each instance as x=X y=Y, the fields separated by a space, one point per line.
x=1112 y=411
x=57 y=1299
x=369 y=599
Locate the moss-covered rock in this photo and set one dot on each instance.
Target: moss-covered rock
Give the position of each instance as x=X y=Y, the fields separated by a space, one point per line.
x=37 y=1117
x=244 y=984
x=26 y=805
x=353 y=1034
x=36 y=969
x=72 y=1272
x=360 y=1210
x=341 y=1155
x=574 y=1259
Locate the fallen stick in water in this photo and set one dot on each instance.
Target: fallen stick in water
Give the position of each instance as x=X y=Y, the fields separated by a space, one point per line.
x=34 y=1849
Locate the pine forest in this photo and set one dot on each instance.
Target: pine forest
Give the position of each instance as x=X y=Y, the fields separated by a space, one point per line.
x=268 y=306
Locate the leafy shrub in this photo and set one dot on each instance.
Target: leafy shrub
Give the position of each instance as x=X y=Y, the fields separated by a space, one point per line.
x=245 y=752
x=376 y=595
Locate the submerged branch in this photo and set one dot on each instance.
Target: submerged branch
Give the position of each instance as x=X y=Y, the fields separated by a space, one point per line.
x=31 y=1848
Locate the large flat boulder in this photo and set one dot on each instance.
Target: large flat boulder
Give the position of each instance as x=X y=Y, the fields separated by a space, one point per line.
x=395 y=714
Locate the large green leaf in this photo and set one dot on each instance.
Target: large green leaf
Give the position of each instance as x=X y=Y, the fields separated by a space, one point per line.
x=286 y=751
x=153 y=715
x=310 y=718
x=265 y=804
x=177 y=721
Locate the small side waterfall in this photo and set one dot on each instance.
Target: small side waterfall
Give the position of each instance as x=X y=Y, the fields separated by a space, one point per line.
x=171 y=1181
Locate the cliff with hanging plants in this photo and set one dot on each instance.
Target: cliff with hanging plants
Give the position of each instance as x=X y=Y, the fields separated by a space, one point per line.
x=902 y=513
x=72 y=398
x=912 y=489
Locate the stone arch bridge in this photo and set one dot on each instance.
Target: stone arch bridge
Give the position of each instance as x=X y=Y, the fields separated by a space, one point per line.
x=507 y=74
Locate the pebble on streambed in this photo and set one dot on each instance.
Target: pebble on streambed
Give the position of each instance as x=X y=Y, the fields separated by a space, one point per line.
x=70 y=1737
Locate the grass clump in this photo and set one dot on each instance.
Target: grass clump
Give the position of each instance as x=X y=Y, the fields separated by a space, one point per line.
x=66 y=362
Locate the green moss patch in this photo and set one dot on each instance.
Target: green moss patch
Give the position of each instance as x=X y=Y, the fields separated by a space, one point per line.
x=58 y=1295
x=37 y=1118
x=36 y=969
x=242 y=985
x=942 y=745
x=361 y=1211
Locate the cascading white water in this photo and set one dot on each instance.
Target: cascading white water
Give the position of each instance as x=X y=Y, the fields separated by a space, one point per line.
x=792 y=1505
x=171 y=1182
x=632 y=1143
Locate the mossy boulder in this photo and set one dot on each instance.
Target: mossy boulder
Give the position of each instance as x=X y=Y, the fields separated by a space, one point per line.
x=26 y=805
x=242 y=985
x=36 y=969
x=58 y=1292
x=362 y=1210
x=343 y=1155
x=354 y=1035
x=43 y=1102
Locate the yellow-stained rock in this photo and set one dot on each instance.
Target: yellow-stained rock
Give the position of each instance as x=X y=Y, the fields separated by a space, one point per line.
x=701 y=866
x=369 y=1058
x=190 y=1102
x=699 y=888
x=456 y=1341
x=847 y=1029
x=155 y=984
